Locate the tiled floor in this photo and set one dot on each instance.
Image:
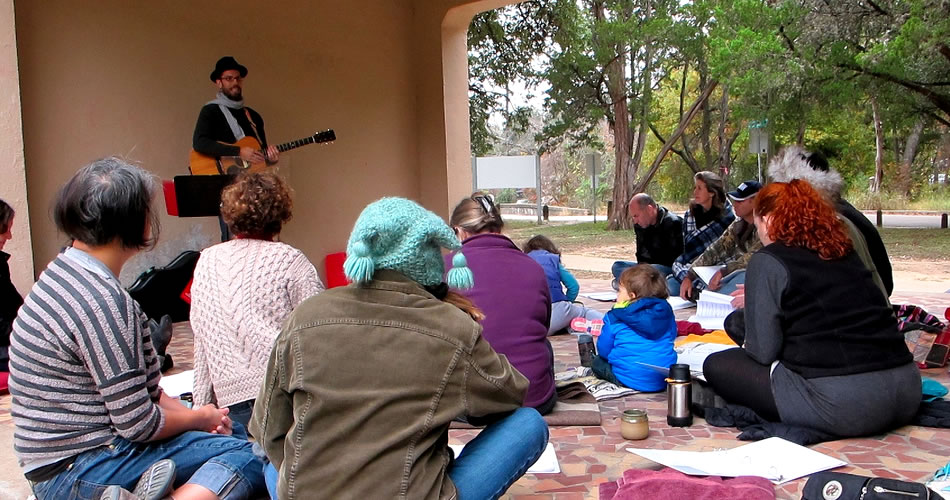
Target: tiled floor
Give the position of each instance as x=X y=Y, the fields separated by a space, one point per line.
x=592 y=455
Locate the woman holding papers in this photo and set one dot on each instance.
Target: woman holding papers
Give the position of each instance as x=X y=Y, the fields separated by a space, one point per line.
x=820 y=346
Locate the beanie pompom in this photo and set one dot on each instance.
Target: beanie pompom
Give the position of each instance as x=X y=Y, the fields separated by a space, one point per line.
x=460 y=276
x=359 y=266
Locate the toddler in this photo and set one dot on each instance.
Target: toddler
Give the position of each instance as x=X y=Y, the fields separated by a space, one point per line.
x=563 y=308
x=640 y=329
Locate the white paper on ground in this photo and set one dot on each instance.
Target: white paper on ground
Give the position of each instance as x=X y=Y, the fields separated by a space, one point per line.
x=706 y=273
x=601 y=296
x=178 y=384
x=677 y=303
x=546 y=464
x=774 y=458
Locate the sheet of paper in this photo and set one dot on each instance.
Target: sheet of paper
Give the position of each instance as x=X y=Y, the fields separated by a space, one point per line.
x=601 y=296
x=708 y=322
x=677 y=303
x=706 y=273
x=546 y=464
x=710 y=296
x=774 y=458
x=178 y=384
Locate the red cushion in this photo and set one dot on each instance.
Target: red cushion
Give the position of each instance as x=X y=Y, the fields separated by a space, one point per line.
x=334 y=270
x=3 y=382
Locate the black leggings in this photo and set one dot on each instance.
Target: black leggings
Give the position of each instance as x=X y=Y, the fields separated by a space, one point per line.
x=741 y=380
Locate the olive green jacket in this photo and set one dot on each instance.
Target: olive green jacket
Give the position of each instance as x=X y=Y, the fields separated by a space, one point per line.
x=362 y=384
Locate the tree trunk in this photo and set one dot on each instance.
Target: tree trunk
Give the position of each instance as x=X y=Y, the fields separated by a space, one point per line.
x=623 y=136
x=725 y=142
x=693 y=110
x=878 y=146
x=706 y=123
x=910 y=153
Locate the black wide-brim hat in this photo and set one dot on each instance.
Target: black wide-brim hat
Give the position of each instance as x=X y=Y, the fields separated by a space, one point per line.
x=224 y=64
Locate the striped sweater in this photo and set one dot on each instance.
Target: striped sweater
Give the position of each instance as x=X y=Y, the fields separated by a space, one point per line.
x=82 y=367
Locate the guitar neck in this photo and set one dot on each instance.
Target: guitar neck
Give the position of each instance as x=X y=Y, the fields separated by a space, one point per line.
x=287 y=146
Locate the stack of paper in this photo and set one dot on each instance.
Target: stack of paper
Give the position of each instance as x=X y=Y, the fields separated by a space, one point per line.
x=694 y=354
x=712 y=309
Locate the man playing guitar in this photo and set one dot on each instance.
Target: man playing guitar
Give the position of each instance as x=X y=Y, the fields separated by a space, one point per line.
x=225 y=120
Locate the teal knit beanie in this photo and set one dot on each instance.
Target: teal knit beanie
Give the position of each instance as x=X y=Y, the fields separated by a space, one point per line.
x=398 y=234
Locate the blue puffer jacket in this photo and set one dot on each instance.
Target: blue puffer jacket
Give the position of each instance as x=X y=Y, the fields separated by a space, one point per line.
x=643 y=332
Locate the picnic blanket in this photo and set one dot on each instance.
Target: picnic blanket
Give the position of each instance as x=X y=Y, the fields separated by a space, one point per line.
x=575 y=406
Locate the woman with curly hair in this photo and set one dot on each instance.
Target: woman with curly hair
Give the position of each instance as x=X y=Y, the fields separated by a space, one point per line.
x=243 y=290
x=820 y=346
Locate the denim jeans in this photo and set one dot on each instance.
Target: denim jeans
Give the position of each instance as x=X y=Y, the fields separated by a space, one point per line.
x=563 y=311
x=499 y=455
x=620 y=266
x=490 y=463
x=241 y=412
x=223 y=464
x=673 y=285
x=602 y=369
x=729 y=283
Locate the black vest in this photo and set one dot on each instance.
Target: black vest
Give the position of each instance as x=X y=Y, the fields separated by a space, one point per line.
x=835 y=320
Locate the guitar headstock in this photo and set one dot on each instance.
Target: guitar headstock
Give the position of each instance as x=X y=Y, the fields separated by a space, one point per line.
x=326 y=136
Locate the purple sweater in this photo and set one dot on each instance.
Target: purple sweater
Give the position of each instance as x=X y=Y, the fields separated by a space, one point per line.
x=510 y=288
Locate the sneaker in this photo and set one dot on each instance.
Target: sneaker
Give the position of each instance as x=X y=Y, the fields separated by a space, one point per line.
x=155 y=484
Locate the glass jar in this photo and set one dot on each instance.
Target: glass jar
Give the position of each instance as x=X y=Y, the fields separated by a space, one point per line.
x=634 y=424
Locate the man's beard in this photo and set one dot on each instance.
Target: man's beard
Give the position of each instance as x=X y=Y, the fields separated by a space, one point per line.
x=235 y=97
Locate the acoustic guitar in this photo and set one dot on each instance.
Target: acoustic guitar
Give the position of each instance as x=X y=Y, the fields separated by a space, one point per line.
x=201 y=164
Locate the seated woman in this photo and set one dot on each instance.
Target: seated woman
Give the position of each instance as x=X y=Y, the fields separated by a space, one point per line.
x=87 y=408
x=364 y=380
x=709 y=214
x=512 y=290
x=243 y=290
x=563 y=308
x=10 y=299
x=820 y=346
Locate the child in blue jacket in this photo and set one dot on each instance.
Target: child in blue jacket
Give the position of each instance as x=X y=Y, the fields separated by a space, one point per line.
x=563 y=308
x=640 y=328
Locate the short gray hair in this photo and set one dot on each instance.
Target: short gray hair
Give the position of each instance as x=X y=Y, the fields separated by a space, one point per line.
x=642 y=200
x=106 y=200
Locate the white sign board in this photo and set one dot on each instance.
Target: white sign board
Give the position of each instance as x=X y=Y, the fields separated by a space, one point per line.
x=758 y=141
x=499 y=172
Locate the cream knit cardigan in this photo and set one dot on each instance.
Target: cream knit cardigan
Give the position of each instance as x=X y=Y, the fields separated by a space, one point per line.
x=243 y=290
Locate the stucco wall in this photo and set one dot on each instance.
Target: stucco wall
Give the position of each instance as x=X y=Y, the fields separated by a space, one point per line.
x=13 y=183
x=117 y=77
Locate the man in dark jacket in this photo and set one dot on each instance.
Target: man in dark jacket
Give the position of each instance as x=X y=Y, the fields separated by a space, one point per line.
x=659 y=236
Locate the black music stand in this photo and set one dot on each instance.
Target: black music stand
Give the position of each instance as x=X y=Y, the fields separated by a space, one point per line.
x=200 y=195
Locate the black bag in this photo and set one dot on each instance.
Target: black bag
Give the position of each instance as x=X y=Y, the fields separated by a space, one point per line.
x=838 y=486
x=158 y=290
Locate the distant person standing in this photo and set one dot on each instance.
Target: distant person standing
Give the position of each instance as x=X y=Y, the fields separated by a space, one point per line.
x=659 y=234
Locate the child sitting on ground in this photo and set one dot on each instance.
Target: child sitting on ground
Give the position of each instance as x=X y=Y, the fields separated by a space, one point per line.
x=639 y=329
x=563 y=308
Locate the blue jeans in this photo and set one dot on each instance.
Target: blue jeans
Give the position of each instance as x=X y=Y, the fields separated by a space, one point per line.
x=602 y=369
x=729 y=283
x=621 y=265
x=241 y=412
x=497 y=457
x=673 y=285
x=223 y=464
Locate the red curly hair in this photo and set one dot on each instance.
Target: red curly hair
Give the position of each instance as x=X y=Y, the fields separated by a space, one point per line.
x=802 y=217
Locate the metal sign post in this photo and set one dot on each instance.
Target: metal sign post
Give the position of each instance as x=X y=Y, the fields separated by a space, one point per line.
x=592 y=162
x=759 y=141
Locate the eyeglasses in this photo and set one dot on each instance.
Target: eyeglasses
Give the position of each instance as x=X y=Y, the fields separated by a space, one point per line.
x=230 y=79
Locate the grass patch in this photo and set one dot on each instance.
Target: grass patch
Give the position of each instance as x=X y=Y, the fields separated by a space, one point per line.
x=592 y=238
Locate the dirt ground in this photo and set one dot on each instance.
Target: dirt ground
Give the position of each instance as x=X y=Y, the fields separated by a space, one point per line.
x=919 y=275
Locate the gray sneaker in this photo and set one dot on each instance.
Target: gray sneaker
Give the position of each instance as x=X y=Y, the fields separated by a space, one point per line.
x=155 y=484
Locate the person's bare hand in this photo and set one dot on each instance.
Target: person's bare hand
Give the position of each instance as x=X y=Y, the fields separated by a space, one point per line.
x=739 y=301
x=686 y=289
x=215 y=420
x=714 y=282
x=251 y=155
x=273 y=154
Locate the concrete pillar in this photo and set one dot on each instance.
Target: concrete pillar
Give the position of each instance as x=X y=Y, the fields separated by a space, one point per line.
x=12 y=165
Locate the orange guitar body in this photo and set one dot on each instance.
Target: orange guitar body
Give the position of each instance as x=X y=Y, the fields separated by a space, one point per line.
x=208 y=165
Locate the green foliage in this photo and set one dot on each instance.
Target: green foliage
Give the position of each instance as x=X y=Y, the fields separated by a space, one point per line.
x=506 y=195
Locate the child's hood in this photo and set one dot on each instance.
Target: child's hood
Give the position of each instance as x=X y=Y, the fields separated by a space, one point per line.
x=650 y=317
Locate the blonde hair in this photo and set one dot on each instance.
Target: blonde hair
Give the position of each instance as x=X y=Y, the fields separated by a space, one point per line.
x=477 y=214
x=643 y=280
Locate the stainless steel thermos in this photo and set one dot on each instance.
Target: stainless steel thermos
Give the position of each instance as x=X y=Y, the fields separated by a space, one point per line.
x=679 y=394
